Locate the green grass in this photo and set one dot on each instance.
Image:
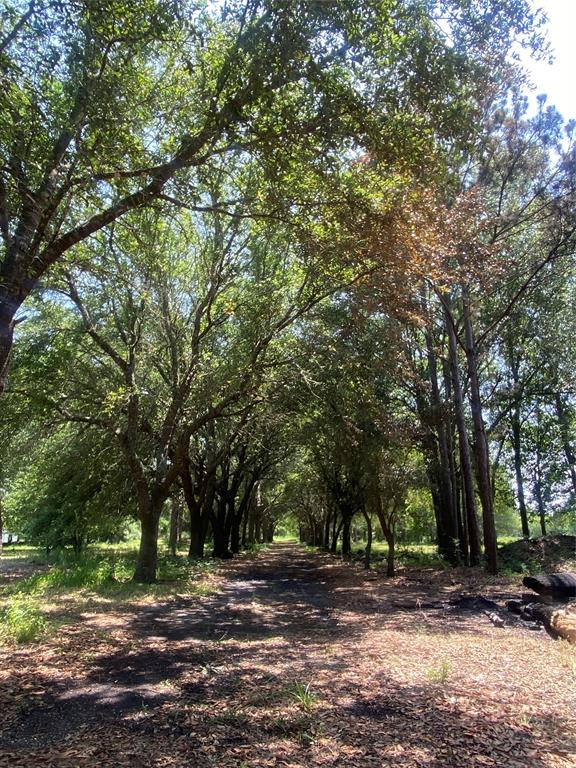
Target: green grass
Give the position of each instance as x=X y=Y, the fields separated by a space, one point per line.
x=105 y=573
x=304 y=697
x=440 y=673
x=286 y=538
x=23 y=621
x=416 y=555
x=17 y=551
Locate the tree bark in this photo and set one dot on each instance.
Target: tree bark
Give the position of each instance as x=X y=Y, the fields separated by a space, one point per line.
x=336 y=534
x=539 y=495
x=175 y=521
x=565 y=434
x=346 y=541
x=327 y=524
x=448 y=526
x=480 y=444
x=6 y=339
x=388 y=525
x=517 y=447
x=464 y=449
x=147 y=561
x=368 y=550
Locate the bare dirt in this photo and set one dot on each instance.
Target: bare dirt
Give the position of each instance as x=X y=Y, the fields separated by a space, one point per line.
x=300 y=660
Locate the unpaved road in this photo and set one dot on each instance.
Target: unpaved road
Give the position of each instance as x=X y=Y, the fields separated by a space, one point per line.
x=298 y=661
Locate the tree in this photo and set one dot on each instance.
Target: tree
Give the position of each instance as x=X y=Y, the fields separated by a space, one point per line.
x=110 y=106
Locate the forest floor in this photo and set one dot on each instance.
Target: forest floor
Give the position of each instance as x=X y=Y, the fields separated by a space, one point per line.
x=296 y=660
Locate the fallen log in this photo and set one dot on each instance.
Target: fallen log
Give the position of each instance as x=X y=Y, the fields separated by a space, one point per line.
x=560 y=586
x=564 y=624
x=559 y=622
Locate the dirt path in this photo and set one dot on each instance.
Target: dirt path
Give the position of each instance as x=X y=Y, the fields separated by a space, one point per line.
x=298 y=661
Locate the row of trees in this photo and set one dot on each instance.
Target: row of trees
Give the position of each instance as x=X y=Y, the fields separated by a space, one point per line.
x=278 y=256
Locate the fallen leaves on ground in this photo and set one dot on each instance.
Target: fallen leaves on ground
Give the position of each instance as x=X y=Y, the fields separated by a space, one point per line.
x=300 y=660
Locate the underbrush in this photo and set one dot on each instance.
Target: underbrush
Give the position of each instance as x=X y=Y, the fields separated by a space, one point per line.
x=541 y=554
x=107 y=572
x=73 y=578
x=409 y=555
x=23 y=621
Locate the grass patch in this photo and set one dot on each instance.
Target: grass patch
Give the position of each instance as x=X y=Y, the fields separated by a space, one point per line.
x=16 y=551
x=23 y=621
x=303 y=696
x=77 y=580
x=440 y=673
x=104 y=572
x=411 y=555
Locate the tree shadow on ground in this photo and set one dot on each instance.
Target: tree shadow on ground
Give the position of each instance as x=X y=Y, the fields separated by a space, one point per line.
x=249 y=641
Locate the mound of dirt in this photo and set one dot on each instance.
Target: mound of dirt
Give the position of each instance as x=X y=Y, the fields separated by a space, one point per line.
x=546 y=553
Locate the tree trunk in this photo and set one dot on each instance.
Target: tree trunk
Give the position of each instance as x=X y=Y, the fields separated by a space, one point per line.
x=336 y=535
x=268 y=532
x=220 y=544
x=440 y=495
x=6 y=339
x=539 y=495
x=147 y=561
x=448 y=527
x=346 y=542
x=368 y=550
x=391 y=556
x=235 y=534
x=241 y=518
x=464 y=449
x=175 y=521
x=455 y=476
x=388 y=525
x=327 y=524
x=565 y=434
x=245 y=528
x=517 y=447
x=480 y=445
x=197 y=523
x=220 y=529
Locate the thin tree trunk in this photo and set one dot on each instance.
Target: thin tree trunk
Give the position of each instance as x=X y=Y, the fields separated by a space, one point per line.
x=235 y=534
x=175 y=519
x=455 y=479
x=538 y=493
x=346 y=542
x=517 y=447
x=337 y=530
x=448 y=529
x=464 y=446
x=327 y=523
x=196 y=510
x=388 y=525
x=368 y=550
x=480 y=445
x=565 y=434
x=245 y=528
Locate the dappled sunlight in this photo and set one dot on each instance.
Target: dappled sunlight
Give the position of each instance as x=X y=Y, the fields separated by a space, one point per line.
x=307 y=657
